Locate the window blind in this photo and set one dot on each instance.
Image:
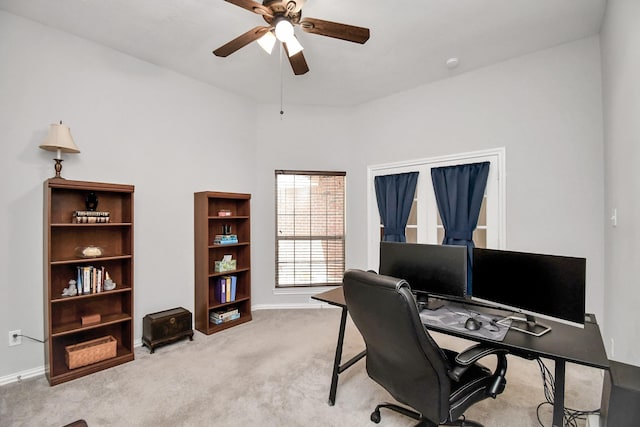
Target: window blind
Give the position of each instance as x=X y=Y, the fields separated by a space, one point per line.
x=310 y=228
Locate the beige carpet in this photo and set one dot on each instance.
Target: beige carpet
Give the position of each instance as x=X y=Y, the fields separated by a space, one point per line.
x=272 y=371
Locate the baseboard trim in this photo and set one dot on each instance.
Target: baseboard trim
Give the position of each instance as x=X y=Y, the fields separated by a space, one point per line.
x=297 y=306
x=22 y=375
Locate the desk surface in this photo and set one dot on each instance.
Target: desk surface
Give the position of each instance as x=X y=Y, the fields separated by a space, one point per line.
x=333 y=296
x=583 y=346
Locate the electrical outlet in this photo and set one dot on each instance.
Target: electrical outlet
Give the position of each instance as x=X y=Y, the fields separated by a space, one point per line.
x=15 y=337
x=613 y=348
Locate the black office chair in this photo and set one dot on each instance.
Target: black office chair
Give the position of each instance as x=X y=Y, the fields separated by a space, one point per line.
x=437 y=384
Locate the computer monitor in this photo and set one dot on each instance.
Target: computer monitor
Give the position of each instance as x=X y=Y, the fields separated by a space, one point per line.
x=431 y=270
x=535 y=285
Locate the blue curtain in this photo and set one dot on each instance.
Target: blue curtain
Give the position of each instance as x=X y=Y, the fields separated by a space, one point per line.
x=459 y=191
x=395 y=196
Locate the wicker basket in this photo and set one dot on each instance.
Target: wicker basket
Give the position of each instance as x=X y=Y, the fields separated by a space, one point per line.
x=88 y=352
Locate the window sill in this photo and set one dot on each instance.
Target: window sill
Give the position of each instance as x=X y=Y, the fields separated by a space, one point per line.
x=306 y=290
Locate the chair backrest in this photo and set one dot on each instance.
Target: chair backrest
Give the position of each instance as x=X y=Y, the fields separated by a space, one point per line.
x=401 y=355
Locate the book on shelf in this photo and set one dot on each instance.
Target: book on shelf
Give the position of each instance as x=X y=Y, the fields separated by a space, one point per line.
x=225 y=239
x=90 y=213
x=90 y=217
x=232 y=296
x=221 y=290
x=79 y=284
x=91 y=220
x=218 y=322
x=225 y=288
x=90 y=280
x=222 y=314
x=219 y=318
x=100 y=279
x=86 y=280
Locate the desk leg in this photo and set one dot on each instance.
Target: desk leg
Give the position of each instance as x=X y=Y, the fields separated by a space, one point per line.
x=558 y=397
x=336 y=362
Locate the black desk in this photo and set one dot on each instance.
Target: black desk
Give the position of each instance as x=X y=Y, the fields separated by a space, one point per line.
x=563 y=344
x=336 y=297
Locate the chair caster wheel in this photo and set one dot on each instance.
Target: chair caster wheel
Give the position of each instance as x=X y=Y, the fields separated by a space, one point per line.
x=375 y=416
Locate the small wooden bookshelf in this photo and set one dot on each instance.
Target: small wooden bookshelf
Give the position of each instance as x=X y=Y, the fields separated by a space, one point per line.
x=219 y=213
x=63 y=241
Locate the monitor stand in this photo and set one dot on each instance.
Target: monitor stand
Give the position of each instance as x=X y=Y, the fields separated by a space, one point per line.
x=528 y=325
x=426 y=303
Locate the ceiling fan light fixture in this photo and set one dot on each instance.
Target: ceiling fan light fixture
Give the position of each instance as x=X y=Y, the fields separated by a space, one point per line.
x=282 y=16
x=293 y=46
x=267 y=42
x=284 y=30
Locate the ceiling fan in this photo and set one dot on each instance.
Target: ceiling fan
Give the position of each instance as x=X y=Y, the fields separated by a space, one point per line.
x=282 y=16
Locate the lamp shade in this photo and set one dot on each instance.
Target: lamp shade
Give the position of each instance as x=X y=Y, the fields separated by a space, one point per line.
x=293 y=46
x=59 y=138
x=267 y=42
x=284 y=30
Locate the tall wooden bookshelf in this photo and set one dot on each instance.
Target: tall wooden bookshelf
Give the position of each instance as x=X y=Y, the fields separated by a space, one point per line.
x=63 y=244
x=210 y=209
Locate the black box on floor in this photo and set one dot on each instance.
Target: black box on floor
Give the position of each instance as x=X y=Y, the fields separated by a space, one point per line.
x=166 y=326
x=620 y=406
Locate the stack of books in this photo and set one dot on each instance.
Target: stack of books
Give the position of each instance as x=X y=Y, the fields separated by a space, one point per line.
x=219 y=317
x=225 y=239
x=90 y=217
x=90 y=280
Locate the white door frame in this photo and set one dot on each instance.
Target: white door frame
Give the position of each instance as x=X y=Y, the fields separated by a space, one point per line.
x=496 y=195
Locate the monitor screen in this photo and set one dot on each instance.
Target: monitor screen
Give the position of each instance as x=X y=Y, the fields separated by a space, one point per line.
x=533 y=284
x=436 y=270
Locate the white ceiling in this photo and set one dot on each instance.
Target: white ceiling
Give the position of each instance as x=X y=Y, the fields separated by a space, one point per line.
x=409 y=44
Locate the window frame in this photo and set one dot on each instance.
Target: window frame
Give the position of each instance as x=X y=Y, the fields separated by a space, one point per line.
x=311 y=285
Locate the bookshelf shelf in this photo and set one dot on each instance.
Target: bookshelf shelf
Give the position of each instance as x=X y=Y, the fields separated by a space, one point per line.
x=207 y=225
x=109 y=224
x=225 y=218
x=90 y=260
x=62 y=238
x=228 y=245
x=226 y=273
x=120 y=289
x=63 y=373
x=73 y=327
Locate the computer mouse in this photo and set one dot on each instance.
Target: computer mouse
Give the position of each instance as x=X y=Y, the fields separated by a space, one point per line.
x=472 y=324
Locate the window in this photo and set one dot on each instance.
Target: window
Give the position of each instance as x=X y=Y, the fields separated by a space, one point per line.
x=411 y=231
x=424 y=224
x=310 y=228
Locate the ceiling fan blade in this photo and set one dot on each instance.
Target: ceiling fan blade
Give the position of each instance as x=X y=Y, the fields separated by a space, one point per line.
x=297 y=61
x=252 y=6
x=240 y=41
x=349 y=33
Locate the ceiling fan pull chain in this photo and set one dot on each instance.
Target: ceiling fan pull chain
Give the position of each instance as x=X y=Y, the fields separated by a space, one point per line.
x=281 y=84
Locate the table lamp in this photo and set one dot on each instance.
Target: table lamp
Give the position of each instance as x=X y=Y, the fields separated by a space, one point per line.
x=59 y=140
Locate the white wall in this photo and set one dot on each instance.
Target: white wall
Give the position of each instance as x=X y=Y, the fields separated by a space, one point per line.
x=307 y=138
x=545 y=109
x=134 y=123
x=621 y=90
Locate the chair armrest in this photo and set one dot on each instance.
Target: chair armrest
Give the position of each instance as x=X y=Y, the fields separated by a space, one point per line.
x=471 y=355
x=477 y=352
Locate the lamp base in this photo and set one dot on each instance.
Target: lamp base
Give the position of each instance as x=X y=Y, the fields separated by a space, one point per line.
x=58 y=167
